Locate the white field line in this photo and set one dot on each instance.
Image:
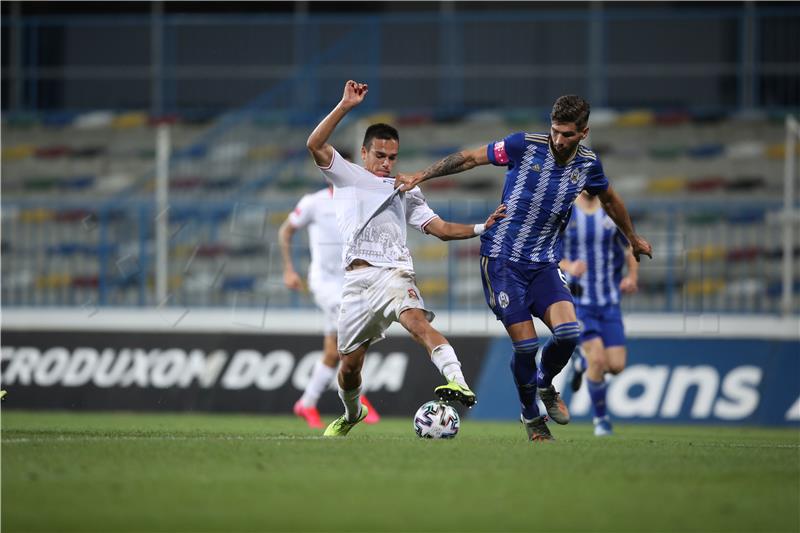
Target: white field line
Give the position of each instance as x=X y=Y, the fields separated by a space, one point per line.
x=24 y=440
x=31 y=440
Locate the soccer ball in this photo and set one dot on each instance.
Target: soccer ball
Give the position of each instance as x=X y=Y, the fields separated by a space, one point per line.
x=436 y=420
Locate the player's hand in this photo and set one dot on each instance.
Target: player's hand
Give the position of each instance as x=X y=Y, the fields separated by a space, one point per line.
x=628 y=285
x=406 y=182
x=292 y=280
x=576 y=268
x=354 y=94
x=639 y=246
x=499 y=213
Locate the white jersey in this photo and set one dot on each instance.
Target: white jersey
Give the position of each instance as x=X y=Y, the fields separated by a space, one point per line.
x=358 y=193
x=317 y=211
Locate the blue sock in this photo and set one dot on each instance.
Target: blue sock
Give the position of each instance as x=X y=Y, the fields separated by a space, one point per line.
x=523 y=367
x=597 y=392
x=557 y=352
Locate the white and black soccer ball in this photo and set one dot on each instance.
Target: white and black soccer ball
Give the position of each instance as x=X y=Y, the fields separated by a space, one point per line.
x=436 y=420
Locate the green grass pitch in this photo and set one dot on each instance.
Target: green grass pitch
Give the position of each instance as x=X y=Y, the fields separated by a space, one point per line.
x=185 y=472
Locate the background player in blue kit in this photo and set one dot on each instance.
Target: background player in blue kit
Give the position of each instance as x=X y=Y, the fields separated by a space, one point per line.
x=520 y=254
x=595 y=252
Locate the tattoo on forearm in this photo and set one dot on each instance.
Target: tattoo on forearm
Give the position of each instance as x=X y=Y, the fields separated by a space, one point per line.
x=451 y=164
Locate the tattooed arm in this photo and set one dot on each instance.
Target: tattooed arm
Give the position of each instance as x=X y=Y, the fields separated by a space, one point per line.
x=452 y=164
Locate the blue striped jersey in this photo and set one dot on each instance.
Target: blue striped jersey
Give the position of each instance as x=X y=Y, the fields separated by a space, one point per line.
x=538 y=194
x=596 y=240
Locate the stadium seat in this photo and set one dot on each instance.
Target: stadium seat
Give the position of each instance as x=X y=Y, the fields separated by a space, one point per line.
x=706 y=287
x=129 y=120
x=709 y=252
x=20 y=151
x=433 y=287
x=667 y=185
x=635 y=119
x=706 y=184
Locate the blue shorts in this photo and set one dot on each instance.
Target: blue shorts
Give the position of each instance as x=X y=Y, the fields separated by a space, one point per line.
x=604 y=321
x=516 y=291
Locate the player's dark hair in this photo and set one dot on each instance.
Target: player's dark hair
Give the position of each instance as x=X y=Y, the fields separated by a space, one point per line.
x=571 y=108
x=380 y=131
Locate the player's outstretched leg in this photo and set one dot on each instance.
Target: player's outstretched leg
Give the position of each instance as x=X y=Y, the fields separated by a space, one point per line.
x=442 y=355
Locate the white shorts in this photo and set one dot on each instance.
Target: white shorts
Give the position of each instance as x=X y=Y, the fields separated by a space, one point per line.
x=328 y=297
x=373 y=298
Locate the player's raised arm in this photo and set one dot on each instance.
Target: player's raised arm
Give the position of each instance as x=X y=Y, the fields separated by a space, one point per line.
x=448 y=231
x=614 y=206
x=452 y=164
x=317 y=142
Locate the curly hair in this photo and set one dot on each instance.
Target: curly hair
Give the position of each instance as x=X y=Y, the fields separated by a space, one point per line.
x=571 y=108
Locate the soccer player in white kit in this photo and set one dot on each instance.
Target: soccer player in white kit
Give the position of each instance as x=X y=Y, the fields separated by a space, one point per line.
x=317 y=212
x=379 y=280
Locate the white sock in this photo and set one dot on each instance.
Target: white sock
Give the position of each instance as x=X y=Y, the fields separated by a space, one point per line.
x=352 y=403
x=320 y=380
x=445 y=359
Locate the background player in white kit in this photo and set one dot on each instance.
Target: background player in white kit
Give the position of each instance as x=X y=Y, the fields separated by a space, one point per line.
x=317 y=212
x=379 y=285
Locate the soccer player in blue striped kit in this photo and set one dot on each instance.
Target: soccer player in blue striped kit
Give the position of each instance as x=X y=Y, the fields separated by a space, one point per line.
x=520 y=254
x=595 y=252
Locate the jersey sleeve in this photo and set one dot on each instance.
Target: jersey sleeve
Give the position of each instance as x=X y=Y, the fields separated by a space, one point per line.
x=596 y=181
x=340 y=171
x=303 y=213
x=418 y=212
x=511 y=148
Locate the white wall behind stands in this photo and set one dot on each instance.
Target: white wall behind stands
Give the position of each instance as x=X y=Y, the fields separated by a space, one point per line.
x=475 y=323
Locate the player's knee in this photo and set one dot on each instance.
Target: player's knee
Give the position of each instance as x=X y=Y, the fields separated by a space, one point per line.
x=599 y=364
x=567 y=334
x=350 y=367
x=616 y=368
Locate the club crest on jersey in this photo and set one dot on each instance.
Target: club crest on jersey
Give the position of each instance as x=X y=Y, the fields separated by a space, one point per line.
x=413 y=294
x=537 y=168
x=502 y=298
x=575 y=176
